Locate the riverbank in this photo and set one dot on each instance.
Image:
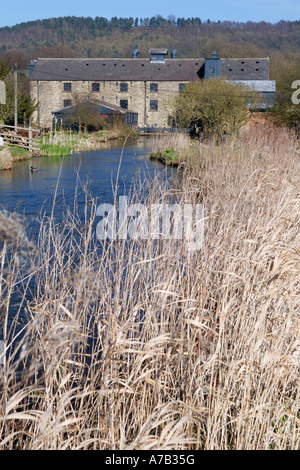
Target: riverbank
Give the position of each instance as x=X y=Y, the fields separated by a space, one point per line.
x=61 y=144
x=174 y=150
x=65 y=143
x=167 y=157
x=10 y=155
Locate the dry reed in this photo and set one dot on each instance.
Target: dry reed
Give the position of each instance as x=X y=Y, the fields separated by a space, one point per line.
x=144 y=345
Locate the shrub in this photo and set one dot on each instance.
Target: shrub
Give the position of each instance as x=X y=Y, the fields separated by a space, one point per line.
x=215 y=106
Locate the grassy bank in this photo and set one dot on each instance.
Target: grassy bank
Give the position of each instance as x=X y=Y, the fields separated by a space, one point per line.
x=66 y=142
x=168 y=157
x=146 y=345
x=10 y=155
x=174 y=149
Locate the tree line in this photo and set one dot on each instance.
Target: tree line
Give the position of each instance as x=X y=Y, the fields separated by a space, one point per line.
x=100 y=22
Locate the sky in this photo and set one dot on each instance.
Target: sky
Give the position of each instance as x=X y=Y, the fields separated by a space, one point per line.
x=17 y=11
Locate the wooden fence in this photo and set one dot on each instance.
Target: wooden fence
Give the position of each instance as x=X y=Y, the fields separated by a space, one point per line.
x=20 y=137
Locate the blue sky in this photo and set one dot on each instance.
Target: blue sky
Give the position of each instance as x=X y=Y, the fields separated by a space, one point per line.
x=17 y=11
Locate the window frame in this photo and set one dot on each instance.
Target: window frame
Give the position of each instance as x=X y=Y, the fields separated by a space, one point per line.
x=124 y=101
x=95 y=85
x=153 y=105
x=154 y=87
x=67 y=85
x=67 y=103
x=125 y=86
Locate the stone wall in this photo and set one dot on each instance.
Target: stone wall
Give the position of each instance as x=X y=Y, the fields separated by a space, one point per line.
x=141 y=97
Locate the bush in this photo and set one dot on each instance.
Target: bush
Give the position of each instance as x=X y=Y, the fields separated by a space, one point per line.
x=214 y=106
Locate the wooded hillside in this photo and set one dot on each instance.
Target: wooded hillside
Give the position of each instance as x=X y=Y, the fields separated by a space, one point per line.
x=99 y=37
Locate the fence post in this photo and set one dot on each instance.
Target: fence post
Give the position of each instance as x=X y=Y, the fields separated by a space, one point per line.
x=30 y=135
x=16 y=97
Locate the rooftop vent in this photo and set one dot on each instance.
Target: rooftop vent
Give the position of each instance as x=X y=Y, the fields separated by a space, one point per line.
x=31 y=66
x=158 y=56
x=135 y=52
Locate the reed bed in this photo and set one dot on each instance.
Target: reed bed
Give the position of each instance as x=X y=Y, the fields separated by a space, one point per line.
x=139 y=344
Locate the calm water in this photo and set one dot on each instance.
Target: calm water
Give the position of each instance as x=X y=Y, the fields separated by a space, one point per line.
x=32 y=193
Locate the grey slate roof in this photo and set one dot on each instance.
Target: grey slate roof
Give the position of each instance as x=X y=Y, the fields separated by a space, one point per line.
x=245 y=69
x=116 y=70
x=184 y=70
x=101 y=106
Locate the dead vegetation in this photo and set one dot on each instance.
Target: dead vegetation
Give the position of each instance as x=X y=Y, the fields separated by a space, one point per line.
x=144 y=345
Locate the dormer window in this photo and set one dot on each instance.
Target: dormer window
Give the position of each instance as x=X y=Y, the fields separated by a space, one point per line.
x=158 y=55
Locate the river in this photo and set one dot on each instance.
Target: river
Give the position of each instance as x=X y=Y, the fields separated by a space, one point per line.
x=31 y=194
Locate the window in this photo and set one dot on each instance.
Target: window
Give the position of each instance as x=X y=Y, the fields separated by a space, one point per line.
x=181 y=86
x=96 y=87
x=67 y=103
x=154 y=87
x=171 y=121
x=123 y=87
x=124 y=104
x=68 y=87
x=153 y=105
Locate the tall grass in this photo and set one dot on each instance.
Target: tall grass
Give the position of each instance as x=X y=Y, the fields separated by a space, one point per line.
x=145 y=345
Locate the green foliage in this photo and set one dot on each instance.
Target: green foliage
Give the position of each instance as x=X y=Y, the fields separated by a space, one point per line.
x=287 y=71
x=54 y=150
x=215 y=106
x=19 y=152
x=25 y=105
x=4 y=70
x=168 y=157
